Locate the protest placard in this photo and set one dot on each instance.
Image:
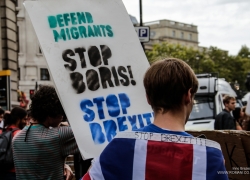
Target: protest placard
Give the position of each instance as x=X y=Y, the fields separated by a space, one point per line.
x=235 y=148
x=97 y=64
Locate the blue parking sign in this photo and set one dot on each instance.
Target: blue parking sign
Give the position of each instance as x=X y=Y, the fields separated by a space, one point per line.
x=143 y=33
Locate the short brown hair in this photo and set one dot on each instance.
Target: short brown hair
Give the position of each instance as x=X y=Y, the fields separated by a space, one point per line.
x=166 y=81
x=227 y=99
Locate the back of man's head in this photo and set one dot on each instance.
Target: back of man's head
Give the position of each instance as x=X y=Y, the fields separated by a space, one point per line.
x=45 y=103
x=166 y=82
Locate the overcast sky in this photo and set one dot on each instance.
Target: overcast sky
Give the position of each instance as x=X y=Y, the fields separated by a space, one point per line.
x=221 y=23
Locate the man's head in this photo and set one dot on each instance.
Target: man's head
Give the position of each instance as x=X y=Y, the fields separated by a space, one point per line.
x=229 y=102
x=17 y=117
x=46 y=106
x=167 y=82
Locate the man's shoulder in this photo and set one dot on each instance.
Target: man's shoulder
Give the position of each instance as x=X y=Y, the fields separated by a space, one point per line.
x=65 y=132
x=223 y=113
x=65 y=129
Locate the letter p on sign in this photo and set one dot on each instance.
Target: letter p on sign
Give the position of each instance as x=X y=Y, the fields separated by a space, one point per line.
x=143 y=33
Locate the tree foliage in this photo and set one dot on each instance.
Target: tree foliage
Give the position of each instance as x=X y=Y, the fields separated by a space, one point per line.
x=207 y=60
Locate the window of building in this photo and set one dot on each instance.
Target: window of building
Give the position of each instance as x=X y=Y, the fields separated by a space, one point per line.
x=172 y=22
x=18 y=45
x=44 y=74
x=152 y=34
x=190 y=36
x=182 y=35
x=173 y=33
x=18 y=73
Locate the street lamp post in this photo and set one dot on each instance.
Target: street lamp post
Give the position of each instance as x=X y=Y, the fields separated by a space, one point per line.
x=140 y=1
x=141 y=22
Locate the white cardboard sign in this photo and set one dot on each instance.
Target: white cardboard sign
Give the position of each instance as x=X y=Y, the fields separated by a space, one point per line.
x=97 y=64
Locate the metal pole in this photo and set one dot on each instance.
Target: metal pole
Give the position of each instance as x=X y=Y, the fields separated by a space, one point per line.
x=141 y=13
x=141 y=22
x=8 y=93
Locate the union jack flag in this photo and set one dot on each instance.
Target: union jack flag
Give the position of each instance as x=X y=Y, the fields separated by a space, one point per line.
x=153 y=156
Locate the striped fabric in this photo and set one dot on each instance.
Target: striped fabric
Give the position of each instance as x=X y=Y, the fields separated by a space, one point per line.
x=42 y=155
x=158 y=156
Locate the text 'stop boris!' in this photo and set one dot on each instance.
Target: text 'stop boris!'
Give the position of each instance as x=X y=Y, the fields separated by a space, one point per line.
x=97 y=64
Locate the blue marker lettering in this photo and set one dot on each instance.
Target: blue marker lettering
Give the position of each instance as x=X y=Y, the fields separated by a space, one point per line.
x=125 y=102
x=90 y=114
x=121 y=125
x=98 y=101
x=97 y=134
x=147 y=116
x=140 y=120
x=132 y=120
x=110 y=129
x=113 y=105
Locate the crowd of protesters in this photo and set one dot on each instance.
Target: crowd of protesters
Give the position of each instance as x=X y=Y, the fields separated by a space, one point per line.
x=41 y=143
x=39 y=149
x=232 y=117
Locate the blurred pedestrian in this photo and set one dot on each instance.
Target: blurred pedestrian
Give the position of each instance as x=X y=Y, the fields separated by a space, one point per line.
x=41 y=148
x=14 y=121
x=224 y=120
x=1 y=118
x=238 y=117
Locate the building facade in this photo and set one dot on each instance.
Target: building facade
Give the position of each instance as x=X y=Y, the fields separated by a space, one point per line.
x=32 y=64
x=9 y=45
x=172 y=32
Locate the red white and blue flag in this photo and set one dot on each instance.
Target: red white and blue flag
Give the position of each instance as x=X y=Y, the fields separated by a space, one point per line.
x=153 y=156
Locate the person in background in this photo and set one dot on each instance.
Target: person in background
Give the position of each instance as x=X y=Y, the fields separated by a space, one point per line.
x=1 y=118
x=238 y=117
x=16 y=120
x=29 y=119
x=224 y=120
x=40 y=149
x=245 y=120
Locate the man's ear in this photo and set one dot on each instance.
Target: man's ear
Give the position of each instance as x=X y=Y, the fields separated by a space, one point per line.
x=188 y=97
x=148 y=100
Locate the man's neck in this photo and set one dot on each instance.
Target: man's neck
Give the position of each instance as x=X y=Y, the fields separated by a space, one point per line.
x=227 y=109
x=170 y=120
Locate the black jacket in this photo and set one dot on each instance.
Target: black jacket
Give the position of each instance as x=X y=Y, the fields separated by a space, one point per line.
x=224 y=120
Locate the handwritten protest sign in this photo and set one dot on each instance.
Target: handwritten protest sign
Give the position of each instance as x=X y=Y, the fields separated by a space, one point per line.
x=97 y=64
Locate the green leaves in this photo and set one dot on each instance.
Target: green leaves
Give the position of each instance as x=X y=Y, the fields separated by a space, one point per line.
x=207 y=60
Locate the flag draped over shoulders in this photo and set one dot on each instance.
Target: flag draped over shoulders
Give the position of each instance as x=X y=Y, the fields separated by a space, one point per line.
x=150 y=156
